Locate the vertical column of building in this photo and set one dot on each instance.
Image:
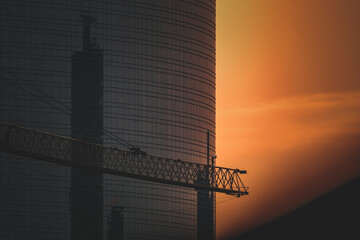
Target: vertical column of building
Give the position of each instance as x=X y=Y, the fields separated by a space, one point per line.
x=205 y=201
x=205 y=215
x=115 y=221
x=87 y=124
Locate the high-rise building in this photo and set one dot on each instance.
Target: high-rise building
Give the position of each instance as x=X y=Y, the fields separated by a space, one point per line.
x=143 y=70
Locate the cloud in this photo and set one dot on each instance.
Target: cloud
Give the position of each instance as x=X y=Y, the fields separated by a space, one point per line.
x=294 y=149
x=289 y=122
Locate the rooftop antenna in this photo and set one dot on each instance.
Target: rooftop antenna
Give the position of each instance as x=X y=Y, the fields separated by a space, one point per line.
x=87 y=22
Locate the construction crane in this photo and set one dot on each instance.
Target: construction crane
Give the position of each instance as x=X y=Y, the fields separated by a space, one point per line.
x=112 y=160
x=129 y=162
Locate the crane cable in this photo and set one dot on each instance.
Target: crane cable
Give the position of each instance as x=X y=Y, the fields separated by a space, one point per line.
x=67 y=111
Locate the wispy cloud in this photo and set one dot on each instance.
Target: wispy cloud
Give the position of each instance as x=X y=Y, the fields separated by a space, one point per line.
x=289 y=122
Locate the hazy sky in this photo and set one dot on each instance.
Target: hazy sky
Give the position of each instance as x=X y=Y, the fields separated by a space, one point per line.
x=288 y=103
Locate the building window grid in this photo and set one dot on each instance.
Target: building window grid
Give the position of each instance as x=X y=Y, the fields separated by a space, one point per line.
x=115 y=98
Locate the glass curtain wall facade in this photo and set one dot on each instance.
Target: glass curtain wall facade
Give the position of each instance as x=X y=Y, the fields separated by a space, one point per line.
x=158 y=81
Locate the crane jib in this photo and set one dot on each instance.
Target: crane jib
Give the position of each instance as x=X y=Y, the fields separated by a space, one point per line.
x=75 y=153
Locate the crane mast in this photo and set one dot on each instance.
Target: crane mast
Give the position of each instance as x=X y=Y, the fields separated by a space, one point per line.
x=75 y=153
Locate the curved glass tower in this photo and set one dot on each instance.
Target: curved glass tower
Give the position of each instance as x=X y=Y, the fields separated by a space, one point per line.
x=137 y=70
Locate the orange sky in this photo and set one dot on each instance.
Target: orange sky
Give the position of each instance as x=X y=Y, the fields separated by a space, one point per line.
x=288 y=103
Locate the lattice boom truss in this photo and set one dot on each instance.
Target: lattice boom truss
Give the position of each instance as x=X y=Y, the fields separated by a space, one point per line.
x=75 y=153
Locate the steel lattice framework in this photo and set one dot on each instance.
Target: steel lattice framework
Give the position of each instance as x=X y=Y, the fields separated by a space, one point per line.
x=75 y=153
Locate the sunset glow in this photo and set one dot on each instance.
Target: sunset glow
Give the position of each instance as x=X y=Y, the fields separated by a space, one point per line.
x=288 y=103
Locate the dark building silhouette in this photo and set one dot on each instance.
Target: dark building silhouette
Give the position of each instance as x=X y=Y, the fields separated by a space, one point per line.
x=116 y=222
x=205 y=214
x=86 y=203
x=145 y=71
x=333 y=216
